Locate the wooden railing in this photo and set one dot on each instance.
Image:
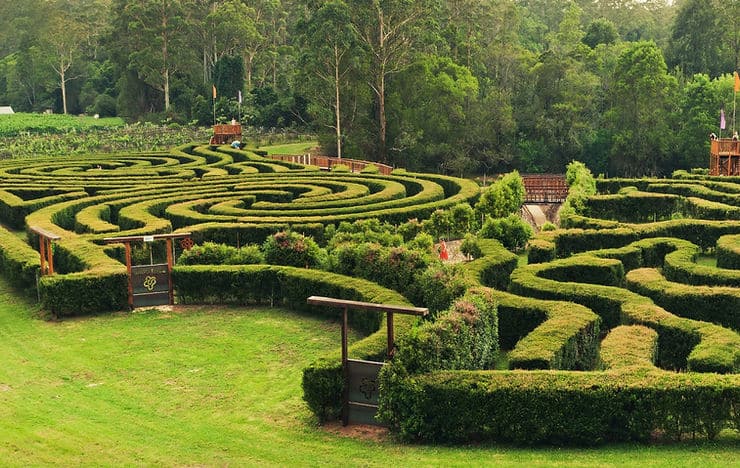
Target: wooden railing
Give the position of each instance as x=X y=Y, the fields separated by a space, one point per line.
x=327 y=162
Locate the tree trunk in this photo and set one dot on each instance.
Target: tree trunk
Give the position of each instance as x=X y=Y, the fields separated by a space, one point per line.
x=382 y=152
x=64 y=86
x=337 y=114
x=166 y=89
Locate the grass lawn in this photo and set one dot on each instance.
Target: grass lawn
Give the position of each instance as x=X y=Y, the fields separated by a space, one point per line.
x=290 y=148
x=707 y=260
x=214 y=386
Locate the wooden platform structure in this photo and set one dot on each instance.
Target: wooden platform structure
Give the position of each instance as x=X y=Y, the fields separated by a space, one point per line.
x=724 y=157
x=545 y=188
x=327 y=162
x=225 y=134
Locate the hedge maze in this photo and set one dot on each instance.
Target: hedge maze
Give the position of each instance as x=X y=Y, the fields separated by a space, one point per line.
x=622 y=326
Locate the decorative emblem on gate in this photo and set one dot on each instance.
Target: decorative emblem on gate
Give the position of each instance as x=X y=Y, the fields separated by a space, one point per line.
x=186 y=243
x=368 y=387
x=150 y=282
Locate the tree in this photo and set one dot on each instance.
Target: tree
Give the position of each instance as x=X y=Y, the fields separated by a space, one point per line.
x=329 y=44
x=697 y=38
x=502 y=198
x=388 y=30
x=429 y=101
x=228 y=76
x=62 y=43
x=640 y=115
x=156 y=44
x=699 y=103
x=600 y=31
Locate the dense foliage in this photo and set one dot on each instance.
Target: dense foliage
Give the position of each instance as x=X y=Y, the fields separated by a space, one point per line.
x=629 y=88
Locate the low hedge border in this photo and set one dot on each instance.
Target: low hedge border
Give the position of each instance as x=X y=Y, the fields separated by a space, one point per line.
x=19 y=262
x=556 y=407
x=681 y=267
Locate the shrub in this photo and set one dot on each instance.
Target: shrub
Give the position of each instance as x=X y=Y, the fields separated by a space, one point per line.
x=503 y=197
x=409 y=229
x=370 y=169
x=463 y=337
x=548 y=226
x=104 y=106
x=340 y=168
x=423 y=242
x=293 y=249
x=209 y=253
x=439 y=285
x=470 y=247
x=513 y=232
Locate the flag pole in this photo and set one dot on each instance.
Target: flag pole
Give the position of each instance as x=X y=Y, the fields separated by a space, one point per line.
x=240 y=106
x=734 y=98
x=214 y=104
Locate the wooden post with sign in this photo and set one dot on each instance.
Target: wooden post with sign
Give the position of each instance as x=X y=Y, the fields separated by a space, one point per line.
x=359 y=392
x=150 y=284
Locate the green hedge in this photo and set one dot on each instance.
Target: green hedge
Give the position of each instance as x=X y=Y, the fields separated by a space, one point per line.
x=19 y=262
x=728 y=252
x=633 y=206
x=84 y=293
x=547 y=334
x=720 y=305
x=684 y=343
x=556 y=407
x=629 y=346
x=681 y=267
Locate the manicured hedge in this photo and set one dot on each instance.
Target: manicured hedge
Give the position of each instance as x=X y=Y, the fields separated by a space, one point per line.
x=684 y=343
x=556 y=407
x=19 y=263
x=681 y=267
x=720 y=305
x=629 y=346
x=728 y=252
x=633 y=207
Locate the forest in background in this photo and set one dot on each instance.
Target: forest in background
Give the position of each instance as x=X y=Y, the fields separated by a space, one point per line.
x=464 y=86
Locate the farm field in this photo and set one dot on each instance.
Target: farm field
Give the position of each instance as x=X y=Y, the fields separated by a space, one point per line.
x=215 y=386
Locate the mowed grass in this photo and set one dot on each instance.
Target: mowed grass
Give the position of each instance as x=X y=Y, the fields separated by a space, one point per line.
x=290 y=148
x=214 y=386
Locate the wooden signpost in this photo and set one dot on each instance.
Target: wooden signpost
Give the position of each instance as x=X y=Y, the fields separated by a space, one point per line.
x=360 y=392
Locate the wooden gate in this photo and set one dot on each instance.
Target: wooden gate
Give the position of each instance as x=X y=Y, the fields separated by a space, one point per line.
x=150 y=285
x=360 y=391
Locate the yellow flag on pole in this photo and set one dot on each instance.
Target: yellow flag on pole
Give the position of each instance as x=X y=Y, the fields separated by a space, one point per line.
x=737 y=82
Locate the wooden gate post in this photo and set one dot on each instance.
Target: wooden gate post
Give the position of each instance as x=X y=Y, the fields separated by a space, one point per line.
x=369 y=405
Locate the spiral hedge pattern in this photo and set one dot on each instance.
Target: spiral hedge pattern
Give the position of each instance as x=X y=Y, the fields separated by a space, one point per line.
x=614 y=330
